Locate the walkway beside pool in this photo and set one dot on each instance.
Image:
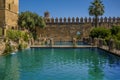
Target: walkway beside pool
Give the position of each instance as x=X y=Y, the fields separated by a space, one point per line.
x=62 y=46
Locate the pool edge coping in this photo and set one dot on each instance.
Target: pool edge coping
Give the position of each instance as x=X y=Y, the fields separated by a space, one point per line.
x=73 y=47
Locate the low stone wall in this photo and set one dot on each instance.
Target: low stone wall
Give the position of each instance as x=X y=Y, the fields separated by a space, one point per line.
x=110 y=46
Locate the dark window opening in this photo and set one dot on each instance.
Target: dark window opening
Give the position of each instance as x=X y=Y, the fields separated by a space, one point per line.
x=9 y=7
x=12 y=28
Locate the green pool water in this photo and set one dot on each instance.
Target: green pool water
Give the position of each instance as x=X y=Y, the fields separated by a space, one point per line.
x=60 y=64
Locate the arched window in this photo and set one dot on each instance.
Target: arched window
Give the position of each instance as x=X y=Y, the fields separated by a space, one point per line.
x=12 y=28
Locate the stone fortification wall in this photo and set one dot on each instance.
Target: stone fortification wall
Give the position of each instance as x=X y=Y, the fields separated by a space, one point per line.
x=64 y=32
x=66 y=29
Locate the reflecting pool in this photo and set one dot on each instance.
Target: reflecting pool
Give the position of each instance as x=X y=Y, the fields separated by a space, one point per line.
x=60 y=64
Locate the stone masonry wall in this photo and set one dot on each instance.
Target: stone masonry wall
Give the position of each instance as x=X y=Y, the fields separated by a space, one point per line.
x=2 y=18
x=9 y=13
x=64 y=32
x=65 y=29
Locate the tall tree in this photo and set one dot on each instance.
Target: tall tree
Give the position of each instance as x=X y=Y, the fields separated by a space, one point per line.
x=29 y=20
x=96 y=9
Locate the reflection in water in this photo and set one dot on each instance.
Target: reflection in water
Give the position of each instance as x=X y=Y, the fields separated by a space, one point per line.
x=95 y=68
x=9 y=69
x=60 y=64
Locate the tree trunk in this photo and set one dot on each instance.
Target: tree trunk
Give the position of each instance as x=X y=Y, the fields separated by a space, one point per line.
x=96 y=20
x=3 y=32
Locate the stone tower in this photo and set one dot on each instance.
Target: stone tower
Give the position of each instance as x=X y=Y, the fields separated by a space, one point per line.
x=9 y=13
x=46 y=16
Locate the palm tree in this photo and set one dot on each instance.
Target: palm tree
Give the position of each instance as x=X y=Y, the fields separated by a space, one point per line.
x=96 y=9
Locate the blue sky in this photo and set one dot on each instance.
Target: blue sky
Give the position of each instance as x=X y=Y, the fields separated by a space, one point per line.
x=68 y=8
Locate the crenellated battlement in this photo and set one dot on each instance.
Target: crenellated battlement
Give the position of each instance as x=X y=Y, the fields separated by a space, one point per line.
x=65 y=29
x=82 y=20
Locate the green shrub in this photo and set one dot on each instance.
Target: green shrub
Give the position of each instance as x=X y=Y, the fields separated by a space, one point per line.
x=104 y=42
x=100 y=32
x=22 y=46
x=25 y=36
x=115 y=30
x=15 y=35
x=8 y=48
x=118 y=36
x=117 y=45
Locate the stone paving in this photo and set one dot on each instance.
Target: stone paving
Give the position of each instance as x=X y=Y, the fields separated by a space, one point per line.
x=62 y=46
